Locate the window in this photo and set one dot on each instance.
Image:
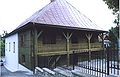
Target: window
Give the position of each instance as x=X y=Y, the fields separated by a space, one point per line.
x=23 y=59
x=6 y=46
x=9 y=46
x=13 y=47
x=22 y=40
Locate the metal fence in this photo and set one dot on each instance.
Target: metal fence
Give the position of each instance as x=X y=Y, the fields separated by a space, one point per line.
x=98 y=63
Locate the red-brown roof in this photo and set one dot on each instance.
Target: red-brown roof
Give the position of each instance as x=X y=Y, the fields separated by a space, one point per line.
x=60 y=12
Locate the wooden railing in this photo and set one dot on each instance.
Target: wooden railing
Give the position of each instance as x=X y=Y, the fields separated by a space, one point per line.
x=85 y=46
x=62 y=47
x=78 y=46
x=52 y=47
x=96 y=45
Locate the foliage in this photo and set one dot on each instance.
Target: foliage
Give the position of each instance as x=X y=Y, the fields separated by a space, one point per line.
x=2 y=46
x=113 y=4
x=113 y=36
x=114 y=32
x=2 y=43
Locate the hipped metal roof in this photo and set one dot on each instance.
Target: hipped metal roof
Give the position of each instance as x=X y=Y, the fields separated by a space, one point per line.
x=60 y=12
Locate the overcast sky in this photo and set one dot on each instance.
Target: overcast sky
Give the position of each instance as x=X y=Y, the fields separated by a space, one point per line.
x=14 y=12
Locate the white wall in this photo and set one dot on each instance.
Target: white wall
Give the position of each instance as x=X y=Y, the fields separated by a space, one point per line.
x=11 y=57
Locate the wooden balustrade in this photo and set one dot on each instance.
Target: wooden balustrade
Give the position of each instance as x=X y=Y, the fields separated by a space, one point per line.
x=51 y=47
x=96 y=45
x=78 y=46
x=62 y=47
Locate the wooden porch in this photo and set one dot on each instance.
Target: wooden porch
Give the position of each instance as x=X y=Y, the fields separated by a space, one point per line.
x=51 y=44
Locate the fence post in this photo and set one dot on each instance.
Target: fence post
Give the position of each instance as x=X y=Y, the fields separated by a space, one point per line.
x=118 y=50
x=73 y=60
x=107 y=50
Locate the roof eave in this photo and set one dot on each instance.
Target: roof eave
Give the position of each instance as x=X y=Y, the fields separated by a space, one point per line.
x=68 y=27
x=16 y=30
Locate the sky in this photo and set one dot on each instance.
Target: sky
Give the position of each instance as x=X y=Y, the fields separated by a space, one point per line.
x=14 y=12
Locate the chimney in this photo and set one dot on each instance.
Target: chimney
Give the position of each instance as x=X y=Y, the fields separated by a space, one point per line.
x=52 y=0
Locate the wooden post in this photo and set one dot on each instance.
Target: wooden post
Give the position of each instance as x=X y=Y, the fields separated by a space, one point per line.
x=68 y=49
x=35 y=47
x=89 y=37
x=102 y=37
x=36 y=36
x=89 y=45
x=68 y=36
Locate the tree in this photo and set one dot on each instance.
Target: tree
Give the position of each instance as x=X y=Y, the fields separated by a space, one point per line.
x=114 y=32
x=2 y=46
x=2 y=43
x=112 y=4
x=113 y=36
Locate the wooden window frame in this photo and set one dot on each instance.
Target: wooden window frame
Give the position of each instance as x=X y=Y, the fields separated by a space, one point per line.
x=22 y=40
x=23 y=59
x=6 y=47
x=13 y=47
x=9 y=46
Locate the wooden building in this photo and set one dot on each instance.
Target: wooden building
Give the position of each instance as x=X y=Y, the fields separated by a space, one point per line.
x=51 y=35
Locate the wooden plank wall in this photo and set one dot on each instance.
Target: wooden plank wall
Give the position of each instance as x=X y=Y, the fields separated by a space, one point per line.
x=25 y=49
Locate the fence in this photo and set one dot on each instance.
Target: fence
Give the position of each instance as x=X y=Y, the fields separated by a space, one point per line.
x=98 y=63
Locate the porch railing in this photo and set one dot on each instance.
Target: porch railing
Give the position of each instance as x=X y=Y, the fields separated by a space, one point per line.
x=85 y=46
x=96 y=45
x=78 y=46
x=51 y=47
x=62 y=47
